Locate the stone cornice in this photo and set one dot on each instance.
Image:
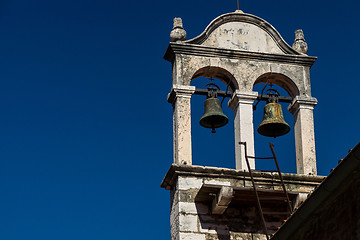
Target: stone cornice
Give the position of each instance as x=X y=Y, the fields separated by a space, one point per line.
x=302 y=103
x=246 y=18
x=242 y=97
x=206 y=51
x=180 y=91
x=213 y=172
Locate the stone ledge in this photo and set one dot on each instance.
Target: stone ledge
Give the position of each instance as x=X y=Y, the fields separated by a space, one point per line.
x=215 y=172
x=205 y=51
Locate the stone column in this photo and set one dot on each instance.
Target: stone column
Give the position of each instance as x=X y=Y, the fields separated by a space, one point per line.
x=302 y=109
x=242 y=104
x=180 y=97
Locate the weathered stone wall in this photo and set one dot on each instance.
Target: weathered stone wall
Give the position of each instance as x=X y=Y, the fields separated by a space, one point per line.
x=244 y=72
x=242 y=36
x=192 y=220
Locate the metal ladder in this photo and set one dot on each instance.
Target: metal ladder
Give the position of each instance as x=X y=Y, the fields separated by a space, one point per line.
x=254 y=185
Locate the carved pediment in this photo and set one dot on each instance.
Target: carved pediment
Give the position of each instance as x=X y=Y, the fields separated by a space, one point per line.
x=246 y=32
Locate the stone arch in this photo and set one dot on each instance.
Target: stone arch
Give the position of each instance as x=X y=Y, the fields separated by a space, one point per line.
x=281 y=80
x=217 y=72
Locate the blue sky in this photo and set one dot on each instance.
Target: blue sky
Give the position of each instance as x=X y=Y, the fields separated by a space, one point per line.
x=85 y=129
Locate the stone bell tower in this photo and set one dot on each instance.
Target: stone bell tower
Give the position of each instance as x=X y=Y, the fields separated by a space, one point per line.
x=241 y=50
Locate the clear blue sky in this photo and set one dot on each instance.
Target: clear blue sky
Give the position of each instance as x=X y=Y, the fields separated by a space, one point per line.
x=85 y=129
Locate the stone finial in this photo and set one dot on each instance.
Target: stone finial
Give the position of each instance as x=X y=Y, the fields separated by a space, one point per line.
x=299 y=43
x=178 y=33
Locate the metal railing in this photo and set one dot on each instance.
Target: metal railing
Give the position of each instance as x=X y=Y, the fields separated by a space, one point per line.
x=254 y=185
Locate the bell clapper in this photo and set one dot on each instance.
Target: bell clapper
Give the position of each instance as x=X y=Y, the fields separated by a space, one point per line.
x=213 y=130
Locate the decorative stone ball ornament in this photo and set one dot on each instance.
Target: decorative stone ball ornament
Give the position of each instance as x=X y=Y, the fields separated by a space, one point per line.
x=299 y=43
x=178 y=33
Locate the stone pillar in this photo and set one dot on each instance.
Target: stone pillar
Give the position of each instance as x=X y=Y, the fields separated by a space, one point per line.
x=302 y=109
x=242 y=104
x=180 y=97
x=184 y=219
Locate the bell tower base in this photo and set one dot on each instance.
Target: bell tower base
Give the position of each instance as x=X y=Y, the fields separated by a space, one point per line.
x=209 y=203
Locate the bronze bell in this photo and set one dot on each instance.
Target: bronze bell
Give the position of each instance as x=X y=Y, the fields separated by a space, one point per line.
x=213 y=115
x=273 y=124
